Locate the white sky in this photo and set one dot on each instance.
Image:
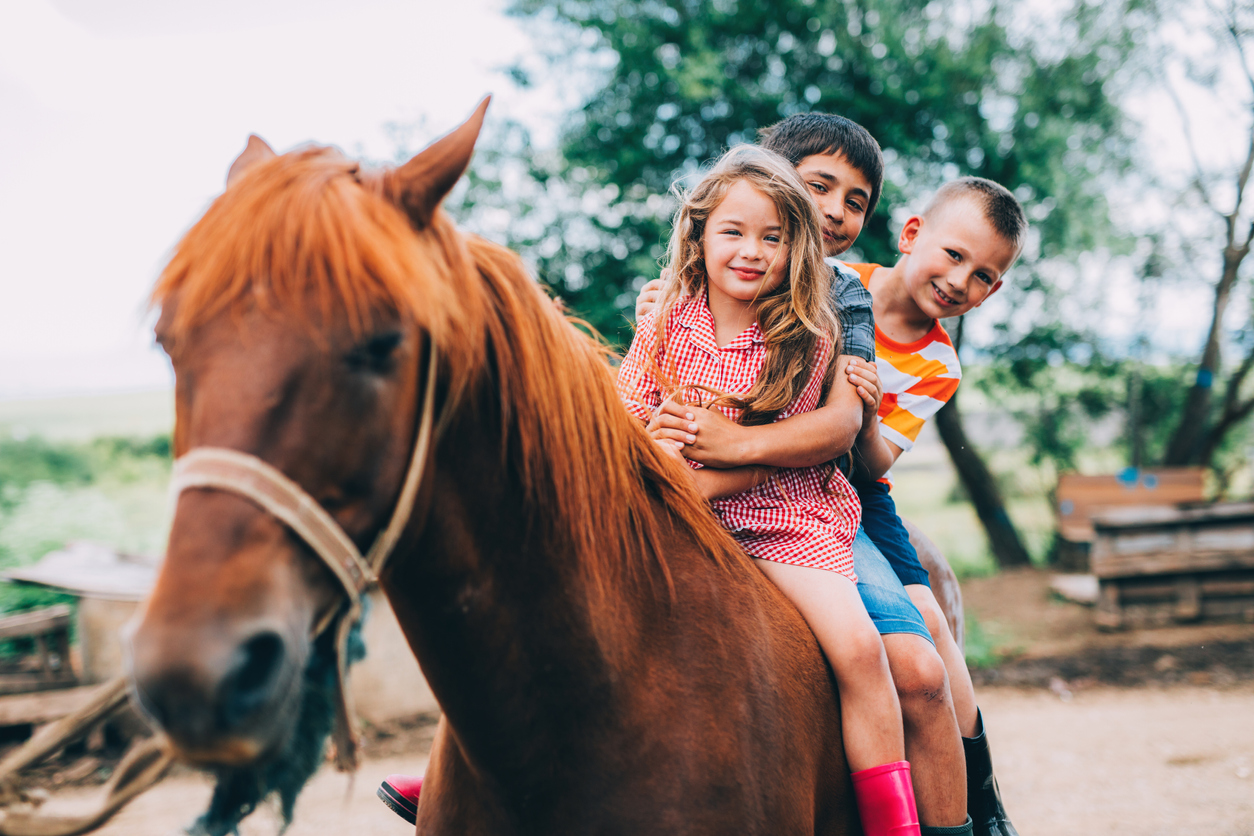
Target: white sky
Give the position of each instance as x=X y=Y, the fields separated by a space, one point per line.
x=118 y=121
x=119 y=118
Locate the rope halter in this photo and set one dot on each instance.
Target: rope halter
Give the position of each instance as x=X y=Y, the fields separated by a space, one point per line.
x=224 y=469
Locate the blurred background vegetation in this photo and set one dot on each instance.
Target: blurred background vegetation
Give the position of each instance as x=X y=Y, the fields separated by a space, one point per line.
x=110 y=490
x=1066 y=371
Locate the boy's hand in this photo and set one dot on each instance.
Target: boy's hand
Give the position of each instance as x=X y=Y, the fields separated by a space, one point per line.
x=865 y=378
x=649 y=295
x=707 y=435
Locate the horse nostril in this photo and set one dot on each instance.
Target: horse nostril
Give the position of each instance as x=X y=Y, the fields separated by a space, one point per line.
x=258 y=662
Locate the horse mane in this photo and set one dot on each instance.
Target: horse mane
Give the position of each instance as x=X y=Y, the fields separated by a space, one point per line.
x=309 y=235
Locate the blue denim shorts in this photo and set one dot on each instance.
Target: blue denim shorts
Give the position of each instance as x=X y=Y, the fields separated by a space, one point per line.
x=883 y=526
x=882 y=592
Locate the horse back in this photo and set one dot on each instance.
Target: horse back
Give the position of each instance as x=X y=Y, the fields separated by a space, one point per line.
x=724 y=718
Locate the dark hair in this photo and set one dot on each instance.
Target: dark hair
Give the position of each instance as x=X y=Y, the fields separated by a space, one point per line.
x=805 y=134
x=1000 y=208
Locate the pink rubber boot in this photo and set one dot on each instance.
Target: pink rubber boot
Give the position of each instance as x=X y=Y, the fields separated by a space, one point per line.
x=886 y=800
x=400 y=793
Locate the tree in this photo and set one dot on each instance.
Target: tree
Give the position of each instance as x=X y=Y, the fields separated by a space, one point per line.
x=947 y=89
x=981 y=486
x=1202 y=427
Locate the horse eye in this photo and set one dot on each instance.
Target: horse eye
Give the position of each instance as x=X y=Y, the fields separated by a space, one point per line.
x=375 y=354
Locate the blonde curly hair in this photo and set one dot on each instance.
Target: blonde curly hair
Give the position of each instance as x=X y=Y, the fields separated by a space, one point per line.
x=796 y=317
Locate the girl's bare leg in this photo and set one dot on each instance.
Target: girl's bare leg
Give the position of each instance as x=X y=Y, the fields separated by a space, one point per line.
x=870 y=712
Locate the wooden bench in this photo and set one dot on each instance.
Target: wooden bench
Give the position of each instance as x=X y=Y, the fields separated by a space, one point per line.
x=1079 y=498
x=49 y=666
x=1159 y=565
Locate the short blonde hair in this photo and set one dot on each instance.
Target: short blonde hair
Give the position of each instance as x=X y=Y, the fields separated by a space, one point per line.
x=996 y=203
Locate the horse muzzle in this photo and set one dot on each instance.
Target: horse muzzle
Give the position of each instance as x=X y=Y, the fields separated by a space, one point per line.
x=230 y=702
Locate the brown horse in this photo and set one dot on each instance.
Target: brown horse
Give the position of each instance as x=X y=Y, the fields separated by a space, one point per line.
x=607 y=660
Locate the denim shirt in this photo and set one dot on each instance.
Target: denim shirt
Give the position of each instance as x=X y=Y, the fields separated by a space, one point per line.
x=852 y=302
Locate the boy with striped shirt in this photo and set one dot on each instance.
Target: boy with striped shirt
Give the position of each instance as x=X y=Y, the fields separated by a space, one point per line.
x=953 y=257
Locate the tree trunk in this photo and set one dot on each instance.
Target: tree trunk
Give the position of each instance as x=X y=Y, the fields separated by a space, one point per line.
x=1189 y=437
x=1190 y=442
x=981 y=487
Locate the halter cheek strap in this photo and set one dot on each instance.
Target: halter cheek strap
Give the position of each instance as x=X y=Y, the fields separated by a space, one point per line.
x=246 y=475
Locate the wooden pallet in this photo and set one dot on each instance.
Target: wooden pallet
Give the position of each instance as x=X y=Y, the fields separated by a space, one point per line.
x=1080 y=498
x=49 y=667
x=1161 y=565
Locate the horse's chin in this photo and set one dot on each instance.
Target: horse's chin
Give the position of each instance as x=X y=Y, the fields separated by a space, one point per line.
x=260 y=739
x=233 y=753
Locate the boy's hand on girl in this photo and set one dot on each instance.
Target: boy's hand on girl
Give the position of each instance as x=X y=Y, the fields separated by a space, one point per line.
x=865 y=378
x=705 y=435
x=649 y=295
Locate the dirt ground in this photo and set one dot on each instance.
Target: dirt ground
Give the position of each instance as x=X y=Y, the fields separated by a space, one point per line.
x=1043 y=641
x=1147 y=733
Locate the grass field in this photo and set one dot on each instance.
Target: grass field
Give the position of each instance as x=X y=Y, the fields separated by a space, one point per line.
x=85 y=468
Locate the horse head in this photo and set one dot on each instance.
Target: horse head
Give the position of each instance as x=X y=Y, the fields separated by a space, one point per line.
x=298 y=314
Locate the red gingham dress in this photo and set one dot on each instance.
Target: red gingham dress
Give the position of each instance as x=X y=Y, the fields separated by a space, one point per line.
x=789 y=519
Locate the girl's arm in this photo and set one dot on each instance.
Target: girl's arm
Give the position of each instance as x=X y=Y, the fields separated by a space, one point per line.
x=716 y=483
x=713 y=483
x=805 y=440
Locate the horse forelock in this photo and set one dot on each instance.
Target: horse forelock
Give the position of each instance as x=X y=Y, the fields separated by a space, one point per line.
x=308 y=236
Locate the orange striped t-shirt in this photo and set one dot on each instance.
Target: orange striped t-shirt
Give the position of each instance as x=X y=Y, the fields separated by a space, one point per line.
x=917 y=378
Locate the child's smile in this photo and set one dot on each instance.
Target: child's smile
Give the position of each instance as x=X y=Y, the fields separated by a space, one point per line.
x=841 y=193
x=942 y=298
x=956 y=260
x=745 y=252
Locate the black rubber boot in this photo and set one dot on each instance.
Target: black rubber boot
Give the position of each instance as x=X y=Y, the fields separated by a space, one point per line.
x=983 y=798
x=961 y=830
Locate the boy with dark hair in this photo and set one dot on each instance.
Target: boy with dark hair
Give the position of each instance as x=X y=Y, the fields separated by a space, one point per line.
x=823 y=147
x=826 y=134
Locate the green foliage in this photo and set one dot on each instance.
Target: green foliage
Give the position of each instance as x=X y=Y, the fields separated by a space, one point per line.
x=51 y=493
x=981 y=649
x=1056 y=382
x=34 y=460
x=24 y=461
x=946 y=89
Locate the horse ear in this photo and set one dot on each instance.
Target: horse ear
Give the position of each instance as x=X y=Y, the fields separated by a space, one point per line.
x=256 y=151
x=422 y=183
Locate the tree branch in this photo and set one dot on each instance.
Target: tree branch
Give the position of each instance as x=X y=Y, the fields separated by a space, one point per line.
x=1187 y=127
x=1232 y=396
x=1244 y=177
x=1235 y=32
x=1234 y=411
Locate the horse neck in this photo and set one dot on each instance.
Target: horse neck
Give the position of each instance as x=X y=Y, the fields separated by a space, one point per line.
x=511 y=632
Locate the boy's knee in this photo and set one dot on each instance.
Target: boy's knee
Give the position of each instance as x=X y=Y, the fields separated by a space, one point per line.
x=933 y=616
x=919 y=674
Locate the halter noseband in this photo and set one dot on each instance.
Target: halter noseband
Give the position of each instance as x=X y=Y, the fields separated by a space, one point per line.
x=241 y=473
